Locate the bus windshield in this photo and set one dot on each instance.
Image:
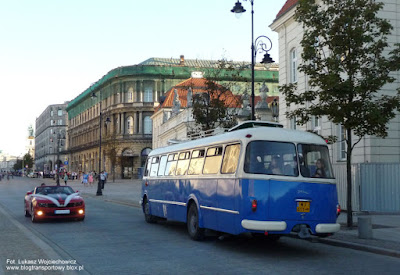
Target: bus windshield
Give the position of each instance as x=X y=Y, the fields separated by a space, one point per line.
x=271 y=158
x=280 y=158
x=314 y=161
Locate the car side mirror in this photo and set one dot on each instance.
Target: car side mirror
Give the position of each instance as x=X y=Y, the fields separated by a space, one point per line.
x=29 y=193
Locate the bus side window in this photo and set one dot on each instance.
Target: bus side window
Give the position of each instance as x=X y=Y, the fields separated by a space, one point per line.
x=212 y=163
x=196 y=162
x=171 y=164
x=183 y=163
x=154 y=166
x=163 y=164
x=231 y=159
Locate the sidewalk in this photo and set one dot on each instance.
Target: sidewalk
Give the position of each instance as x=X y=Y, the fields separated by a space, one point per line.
x=385 y=227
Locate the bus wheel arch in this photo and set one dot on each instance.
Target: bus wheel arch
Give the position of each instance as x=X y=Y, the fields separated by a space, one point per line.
x=146 y=211
x=193 y=222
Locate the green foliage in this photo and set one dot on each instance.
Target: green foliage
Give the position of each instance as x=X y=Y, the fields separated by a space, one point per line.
x=22 y=163
x=212 y=109
x=347 y=61
x=111 y=149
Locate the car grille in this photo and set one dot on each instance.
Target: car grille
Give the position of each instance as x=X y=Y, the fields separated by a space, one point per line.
x=52 y=205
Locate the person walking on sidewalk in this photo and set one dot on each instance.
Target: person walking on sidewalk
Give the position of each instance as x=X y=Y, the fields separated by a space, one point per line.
x=102 y=179
x=90 y=179
x=65 y=178
x=85 y=179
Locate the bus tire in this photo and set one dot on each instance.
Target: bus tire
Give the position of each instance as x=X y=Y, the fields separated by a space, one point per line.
x=146 y=210
x=195 y=232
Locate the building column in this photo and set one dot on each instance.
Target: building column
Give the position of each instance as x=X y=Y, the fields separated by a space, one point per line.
x=135 y=123
x=122 y=123
x=162 y=86
x=141 y=91
x=140 y=122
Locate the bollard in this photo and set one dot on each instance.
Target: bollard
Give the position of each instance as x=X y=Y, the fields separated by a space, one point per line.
x=364 y=228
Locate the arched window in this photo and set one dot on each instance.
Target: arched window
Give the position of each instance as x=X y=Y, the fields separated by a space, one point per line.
x=143 y=155
x=293 y=66
x=129 y=125
x=148 y=125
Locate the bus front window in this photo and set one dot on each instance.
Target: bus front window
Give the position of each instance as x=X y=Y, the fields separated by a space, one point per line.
x=314 y=161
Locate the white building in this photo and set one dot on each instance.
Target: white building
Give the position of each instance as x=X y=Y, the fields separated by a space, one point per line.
x=371 y=148
x=7 y=162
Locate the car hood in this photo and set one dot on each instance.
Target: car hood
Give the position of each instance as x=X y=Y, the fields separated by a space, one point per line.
x=58 y=199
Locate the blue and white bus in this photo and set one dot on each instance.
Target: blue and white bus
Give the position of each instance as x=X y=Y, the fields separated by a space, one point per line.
x=265 y=180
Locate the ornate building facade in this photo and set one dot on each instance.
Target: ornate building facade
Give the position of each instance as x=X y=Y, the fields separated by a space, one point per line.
x=126 y=97
x=51 y=127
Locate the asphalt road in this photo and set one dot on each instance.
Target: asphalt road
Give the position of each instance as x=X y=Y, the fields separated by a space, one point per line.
x=115 y=239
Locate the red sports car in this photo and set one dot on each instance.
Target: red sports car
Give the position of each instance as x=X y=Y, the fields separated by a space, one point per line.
x=54 y=202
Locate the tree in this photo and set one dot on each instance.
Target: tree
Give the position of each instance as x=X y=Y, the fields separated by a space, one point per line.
x=27 y=160
x=111 y=150
x=215 y=107
x=347 y=61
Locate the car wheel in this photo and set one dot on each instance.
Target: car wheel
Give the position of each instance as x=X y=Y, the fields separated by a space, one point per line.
x=33 y=216
x=26 y=211
x=195 y=232
x=81 y=219
x=146 y=210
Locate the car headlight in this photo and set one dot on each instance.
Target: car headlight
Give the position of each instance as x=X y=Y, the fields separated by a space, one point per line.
x=79 y=203
x=42 y=204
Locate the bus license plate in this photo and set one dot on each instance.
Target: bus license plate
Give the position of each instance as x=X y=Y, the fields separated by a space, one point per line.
x=303 y=206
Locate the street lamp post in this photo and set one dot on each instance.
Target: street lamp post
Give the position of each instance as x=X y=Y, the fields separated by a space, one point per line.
x=99 y=185
x=256 y=45
x=59 y=136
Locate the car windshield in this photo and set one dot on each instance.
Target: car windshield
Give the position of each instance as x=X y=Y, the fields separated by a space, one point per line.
x=45 y=190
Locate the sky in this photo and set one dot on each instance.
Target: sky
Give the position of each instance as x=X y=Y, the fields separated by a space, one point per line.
x=52 y=50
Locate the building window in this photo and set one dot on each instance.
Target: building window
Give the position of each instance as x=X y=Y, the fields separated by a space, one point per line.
x=51 y=113
x=293 y=124
x=129 y=125
x=60 y=112
x=148 y=126
x=316 y=124
x=293 y=66
x=148 y=94
x=342 y=143
x=130 y=95
x=60 y=122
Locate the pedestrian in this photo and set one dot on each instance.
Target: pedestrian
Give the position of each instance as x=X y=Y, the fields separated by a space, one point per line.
x=102 y=179
x=91 y=179
x=65 y=178
x=85 y=179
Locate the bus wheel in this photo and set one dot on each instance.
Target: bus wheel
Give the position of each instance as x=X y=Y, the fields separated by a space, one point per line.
x=146 y=210
x=195 y=232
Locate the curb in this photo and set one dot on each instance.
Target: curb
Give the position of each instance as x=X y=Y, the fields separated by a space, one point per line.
x=361 y=247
